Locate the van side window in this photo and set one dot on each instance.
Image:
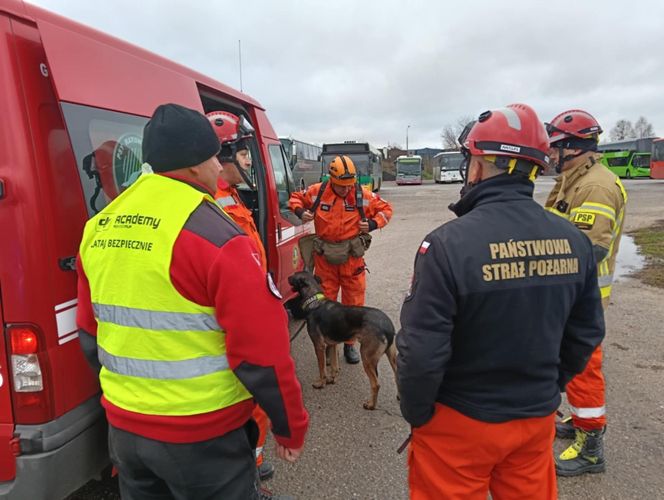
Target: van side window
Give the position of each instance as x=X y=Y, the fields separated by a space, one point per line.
x=107 y=145
x=282 y=176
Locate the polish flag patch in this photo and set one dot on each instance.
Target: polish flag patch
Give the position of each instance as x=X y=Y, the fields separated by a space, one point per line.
x=424 y=247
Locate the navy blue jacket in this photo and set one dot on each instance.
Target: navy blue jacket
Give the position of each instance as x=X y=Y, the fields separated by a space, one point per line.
x=504 y=309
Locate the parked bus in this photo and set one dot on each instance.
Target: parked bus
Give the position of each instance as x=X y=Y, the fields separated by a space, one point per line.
x=409 y=169
x=74 y=103
x=657 y=160
x=446 y=167
x=365 y=157
x=304 y=160
x=627 y=164
x=628 y=159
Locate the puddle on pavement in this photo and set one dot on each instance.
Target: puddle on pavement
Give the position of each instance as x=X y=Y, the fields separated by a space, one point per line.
x=629 y=260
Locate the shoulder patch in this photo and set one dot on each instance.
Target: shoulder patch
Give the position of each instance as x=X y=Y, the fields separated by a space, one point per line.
x=424 y=247
x=208 y=222
x=584 y=220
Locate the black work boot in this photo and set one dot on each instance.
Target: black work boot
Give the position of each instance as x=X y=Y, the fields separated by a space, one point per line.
x=351 y=355
x=565 y=428
x=586 y=454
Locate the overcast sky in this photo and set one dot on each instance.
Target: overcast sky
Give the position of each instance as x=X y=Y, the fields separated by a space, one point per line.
x=365 y=70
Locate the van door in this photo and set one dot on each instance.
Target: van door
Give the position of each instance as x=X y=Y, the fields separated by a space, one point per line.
x=7 y=459
x=289 y=227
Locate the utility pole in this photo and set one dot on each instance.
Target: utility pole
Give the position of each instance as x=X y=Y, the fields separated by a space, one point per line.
x=239 y=48
x=407 y=138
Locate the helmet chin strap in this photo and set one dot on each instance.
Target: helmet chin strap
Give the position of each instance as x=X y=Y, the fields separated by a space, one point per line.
x=562 y=159
x=244 y=175
x=232 y=159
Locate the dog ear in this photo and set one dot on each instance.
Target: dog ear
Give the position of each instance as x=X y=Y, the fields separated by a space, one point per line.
x=290 y=280
x=320 y=281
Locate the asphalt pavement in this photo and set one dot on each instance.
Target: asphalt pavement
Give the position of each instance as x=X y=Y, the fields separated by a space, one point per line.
x=351 y=452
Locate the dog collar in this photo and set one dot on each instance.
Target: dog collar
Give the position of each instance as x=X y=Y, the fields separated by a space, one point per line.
x=311 y=300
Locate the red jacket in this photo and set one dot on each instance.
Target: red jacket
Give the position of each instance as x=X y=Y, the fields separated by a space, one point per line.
x=215 y=265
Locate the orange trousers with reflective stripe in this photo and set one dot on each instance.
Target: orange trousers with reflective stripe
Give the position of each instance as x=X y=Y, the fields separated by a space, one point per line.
x=350 y=277
x=263 y=423
x=454 y=457
x=585 y=392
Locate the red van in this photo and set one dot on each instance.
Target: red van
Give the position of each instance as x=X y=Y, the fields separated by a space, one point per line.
x=74 y=102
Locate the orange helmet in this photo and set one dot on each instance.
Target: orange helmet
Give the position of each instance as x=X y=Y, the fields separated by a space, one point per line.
x=342 y=171
x=513 y=132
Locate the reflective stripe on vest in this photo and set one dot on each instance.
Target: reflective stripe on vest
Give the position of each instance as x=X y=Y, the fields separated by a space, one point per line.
x=162 y=370
x=161 y=353
x=154 y=320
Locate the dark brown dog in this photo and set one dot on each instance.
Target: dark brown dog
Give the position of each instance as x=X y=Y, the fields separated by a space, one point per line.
x=330 y=323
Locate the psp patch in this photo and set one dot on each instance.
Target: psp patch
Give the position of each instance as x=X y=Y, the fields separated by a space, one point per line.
x=273 y=287
x=584 y=220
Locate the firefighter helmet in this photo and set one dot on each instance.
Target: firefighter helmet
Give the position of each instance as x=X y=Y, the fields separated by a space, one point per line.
x=514 y=131
x=574 y=129
x=342 y=171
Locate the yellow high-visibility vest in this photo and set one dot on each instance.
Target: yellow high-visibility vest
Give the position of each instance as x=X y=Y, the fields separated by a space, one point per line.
x=161 y=353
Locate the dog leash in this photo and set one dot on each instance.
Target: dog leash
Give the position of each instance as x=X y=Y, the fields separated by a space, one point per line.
x=405 y=443
x=298 y=331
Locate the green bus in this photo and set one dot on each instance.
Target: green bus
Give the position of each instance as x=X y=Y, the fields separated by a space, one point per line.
x=627 y=164
x=629 y=158
x=365 y=157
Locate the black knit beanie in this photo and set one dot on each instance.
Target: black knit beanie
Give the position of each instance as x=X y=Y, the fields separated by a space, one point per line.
x=178 y=137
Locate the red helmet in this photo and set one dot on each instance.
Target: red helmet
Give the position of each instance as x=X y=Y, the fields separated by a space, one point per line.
x=574 y=123
x=232 y=130
x=514 y=131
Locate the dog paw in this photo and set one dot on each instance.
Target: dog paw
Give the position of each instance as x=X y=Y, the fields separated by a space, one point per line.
x=331 y=380
x=369 y=406
x=318 y=384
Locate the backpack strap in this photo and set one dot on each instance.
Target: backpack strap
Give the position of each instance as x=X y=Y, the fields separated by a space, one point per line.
x=314 y=207
x=359 y=201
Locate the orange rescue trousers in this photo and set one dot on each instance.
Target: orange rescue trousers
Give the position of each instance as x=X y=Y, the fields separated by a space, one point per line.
x=456 y=457
x=585 y=394
x=350 y=277
x=263 y=422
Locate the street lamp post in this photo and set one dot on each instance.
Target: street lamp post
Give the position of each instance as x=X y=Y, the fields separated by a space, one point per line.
x=407 y=138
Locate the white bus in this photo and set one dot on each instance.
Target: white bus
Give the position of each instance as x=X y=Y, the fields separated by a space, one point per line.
x=446 y=167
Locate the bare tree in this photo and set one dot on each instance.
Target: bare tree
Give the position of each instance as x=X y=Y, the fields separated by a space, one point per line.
x=623 y=129
x=643 y=128
x=451 y=132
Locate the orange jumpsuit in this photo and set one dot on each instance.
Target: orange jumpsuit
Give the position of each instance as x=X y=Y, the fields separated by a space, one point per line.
x=337 y=219
x=228 y=198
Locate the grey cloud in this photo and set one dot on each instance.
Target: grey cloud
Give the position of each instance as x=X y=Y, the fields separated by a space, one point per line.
x=347 y=69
